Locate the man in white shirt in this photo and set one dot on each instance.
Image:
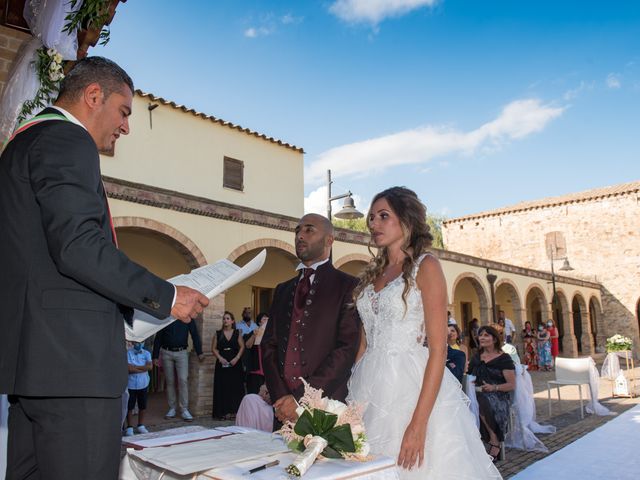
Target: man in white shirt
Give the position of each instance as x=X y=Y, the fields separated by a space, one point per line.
x=509 y=328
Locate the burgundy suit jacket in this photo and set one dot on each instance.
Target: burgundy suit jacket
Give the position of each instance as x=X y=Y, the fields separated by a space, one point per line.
x=330 y=331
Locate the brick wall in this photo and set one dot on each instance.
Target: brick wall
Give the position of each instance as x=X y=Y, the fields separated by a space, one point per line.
x=10 y=41
x=602 y=244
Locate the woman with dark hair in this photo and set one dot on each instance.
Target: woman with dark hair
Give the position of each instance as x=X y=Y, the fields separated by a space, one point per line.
x=495 y=379
x=228 y=381
x=530 y=347
x=408 y=393
x=545 y=360
x=454 y=341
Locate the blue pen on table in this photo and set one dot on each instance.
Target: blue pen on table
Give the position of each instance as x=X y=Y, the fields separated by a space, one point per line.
x=262 y=467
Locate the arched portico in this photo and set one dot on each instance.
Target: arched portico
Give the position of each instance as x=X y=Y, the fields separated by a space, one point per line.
x=469 y=300
x=597 y=326
x=582 y=325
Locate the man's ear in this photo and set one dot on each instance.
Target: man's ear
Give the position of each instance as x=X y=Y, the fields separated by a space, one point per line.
x=328 y=240
x=93 y=95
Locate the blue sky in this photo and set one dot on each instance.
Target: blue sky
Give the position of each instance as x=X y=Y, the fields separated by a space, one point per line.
x=473 y=104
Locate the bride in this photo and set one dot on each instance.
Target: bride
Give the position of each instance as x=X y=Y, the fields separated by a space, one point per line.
x=415 y=408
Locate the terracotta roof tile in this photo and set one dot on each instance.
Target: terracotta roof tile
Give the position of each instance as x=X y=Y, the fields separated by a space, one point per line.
x=585 y=196
x=204 y=116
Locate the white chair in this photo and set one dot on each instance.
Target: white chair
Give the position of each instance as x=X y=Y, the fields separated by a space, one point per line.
x=570 y=371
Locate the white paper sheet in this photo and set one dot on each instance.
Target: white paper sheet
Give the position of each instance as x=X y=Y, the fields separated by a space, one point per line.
x=190 y=458
x=210 y=280
x=174 y=439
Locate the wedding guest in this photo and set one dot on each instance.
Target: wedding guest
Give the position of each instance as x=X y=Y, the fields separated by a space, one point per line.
x=498 y=326
x=509 y=328
x=456 y=362
x=495 y=379
x=140 y=364
x=555 y=338
x=170 y=347
x=530 y=347
x=255 y=377
x=228 y=386
x=473 y=334
x=247 y=326
x=255 y=411
x=545 y=360
x=453 y=339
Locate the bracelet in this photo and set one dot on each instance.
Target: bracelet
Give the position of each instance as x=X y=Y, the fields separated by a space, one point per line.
x=495 y=388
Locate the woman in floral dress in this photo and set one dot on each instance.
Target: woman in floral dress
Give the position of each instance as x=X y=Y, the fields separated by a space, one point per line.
x=529 y=339
x=545 y=360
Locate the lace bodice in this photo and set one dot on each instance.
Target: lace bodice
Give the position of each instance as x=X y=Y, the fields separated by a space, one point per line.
x=391 y=327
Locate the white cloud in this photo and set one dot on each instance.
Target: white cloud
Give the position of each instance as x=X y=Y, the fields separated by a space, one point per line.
x=290 y=19
x=613 y=80
x=375 y=11
x=316 y=201
x=517 y=120
x=254 y=32
x=573 y=93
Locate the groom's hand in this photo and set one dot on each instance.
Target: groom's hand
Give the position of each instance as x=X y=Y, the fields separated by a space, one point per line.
x=285 y=408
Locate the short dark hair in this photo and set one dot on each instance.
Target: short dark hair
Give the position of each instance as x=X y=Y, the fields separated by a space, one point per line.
x=106 y=73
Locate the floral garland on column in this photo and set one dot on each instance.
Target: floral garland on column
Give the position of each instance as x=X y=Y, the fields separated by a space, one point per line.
x=49 y=63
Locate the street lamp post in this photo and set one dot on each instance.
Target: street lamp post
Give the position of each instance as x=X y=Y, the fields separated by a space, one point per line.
x=554 y=300
x=349 y=210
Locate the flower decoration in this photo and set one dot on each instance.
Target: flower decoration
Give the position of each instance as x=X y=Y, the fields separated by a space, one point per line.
x=50 y=73
x=618 y=343
x=327 y=428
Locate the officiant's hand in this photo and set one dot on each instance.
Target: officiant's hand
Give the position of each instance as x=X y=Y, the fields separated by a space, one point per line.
x=285 y=408
x=189 y=303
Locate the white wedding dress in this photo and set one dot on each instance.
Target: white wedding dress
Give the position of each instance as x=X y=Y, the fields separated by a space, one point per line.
x=388 y=379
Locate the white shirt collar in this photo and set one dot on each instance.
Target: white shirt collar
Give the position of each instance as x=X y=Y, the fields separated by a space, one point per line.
x=69 y=116
x=302 y=266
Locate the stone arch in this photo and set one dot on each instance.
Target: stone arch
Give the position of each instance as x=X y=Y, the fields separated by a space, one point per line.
x=535 y=304
x=193 y=255
x=581 y=326
x=563 y=321
x=260 y=244
x=484 y=305
x=352 y=257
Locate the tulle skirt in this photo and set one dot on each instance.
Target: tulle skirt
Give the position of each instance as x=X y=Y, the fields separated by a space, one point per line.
x=389 y=383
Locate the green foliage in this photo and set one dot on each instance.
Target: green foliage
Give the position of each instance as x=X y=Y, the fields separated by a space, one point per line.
x=323 y=424
x=356 y=224
x=360 y=225
x=90 y=15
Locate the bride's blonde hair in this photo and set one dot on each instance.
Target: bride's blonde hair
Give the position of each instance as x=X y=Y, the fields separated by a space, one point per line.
x=412 y=215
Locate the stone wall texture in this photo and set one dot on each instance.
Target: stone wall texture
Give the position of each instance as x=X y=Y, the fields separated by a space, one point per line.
x=600 y=229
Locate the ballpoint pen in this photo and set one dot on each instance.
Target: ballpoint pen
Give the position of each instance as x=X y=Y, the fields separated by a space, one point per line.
x=262 y=467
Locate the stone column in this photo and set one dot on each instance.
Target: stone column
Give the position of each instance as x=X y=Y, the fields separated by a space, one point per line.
x=569 y=343
x=588 y=348
x=201 y=373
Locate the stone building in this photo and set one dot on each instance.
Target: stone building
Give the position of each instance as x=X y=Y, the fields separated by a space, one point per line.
x=595 y=230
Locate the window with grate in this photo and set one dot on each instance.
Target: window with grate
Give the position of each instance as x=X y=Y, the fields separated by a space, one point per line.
x=233 y=174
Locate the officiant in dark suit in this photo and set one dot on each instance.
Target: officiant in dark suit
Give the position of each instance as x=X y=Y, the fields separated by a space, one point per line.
x=65 y=285
x=314 y=329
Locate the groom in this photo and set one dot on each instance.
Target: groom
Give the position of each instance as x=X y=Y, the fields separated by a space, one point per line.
x=314 y=329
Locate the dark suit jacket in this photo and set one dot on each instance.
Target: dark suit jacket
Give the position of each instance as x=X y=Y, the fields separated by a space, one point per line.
x=456 y=360
x=63 y=280
x=330 y=334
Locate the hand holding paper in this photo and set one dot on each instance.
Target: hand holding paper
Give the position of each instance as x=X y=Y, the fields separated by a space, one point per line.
x=193 y=290
x=189 y=303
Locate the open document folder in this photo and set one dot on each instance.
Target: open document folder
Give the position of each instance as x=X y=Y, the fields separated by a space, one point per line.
x=210 y=280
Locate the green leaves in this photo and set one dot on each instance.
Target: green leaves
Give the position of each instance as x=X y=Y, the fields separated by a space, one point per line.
x=322 y=424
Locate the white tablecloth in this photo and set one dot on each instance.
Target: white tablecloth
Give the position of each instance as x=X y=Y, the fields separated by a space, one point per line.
x=381 y=468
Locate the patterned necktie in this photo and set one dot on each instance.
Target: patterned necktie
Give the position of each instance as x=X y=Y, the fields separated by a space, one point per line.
x=302 y=289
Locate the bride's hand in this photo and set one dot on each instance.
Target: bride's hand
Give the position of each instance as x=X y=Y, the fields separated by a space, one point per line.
x=412 y=447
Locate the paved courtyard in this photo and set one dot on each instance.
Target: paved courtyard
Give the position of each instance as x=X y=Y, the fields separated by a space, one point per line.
x=565 y=417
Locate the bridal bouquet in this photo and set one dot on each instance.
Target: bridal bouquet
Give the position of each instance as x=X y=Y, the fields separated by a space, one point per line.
x=324 y=427
x=618 y=343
